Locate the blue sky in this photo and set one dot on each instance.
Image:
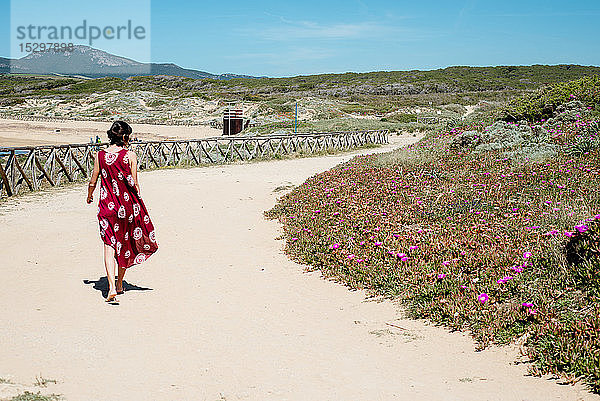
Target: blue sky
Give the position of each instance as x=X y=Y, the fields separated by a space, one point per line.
x=285 y=38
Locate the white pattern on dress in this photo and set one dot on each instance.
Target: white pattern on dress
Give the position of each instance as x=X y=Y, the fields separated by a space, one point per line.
x=140 y=258
x=122 y=213
x=110 y=158
x=115 y=188
x=137 y=233
x=136 y=209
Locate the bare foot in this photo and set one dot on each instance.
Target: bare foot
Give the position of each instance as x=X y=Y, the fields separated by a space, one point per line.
x=119 y=288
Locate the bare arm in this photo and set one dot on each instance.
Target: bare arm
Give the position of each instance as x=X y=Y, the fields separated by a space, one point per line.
x=93 y=179
x=134 y=169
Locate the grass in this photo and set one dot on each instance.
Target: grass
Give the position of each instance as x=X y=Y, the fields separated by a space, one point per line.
x=474 y=238
x=43 y=382
x=28 y=396
x=342 y=124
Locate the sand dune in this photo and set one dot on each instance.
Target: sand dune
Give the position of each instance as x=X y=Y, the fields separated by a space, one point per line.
x=34 y=133
x=220 y=313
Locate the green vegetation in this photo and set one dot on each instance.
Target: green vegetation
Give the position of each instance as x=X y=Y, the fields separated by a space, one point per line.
x=455 y=79
x=543 y=103
x=28 y=396
x=387 y=98
x=340 y=124
x=465 y=84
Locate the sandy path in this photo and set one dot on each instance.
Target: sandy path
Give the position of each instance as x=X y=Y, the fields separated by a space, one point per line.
x=229 y=317
x=33 y=133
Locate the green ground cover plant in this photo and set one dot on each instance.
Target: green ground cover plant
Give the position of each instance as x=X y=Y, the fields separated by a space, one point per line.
x=472 y=228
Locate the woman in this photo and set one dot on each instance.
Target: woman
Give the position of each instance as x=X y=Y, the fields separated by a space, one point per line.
x=125 y=227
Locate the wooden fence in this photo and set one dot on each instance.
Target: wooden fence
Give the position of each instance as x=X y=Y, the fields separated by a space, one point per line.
x=34 y=168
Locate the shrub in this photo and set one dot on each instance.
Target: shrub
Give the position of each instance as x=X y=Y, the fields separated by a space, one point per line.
x=543 y=103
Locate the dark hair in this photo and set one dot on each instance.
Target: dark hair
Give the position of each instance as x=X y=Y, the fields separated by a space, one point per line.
x=119 y=132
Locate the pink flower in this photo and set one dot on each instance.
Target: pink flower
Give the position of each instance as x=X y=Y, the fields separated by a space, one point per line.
x=441 y=276
x=413 y=247
x=527 y=304
x=483 y=297
x=334 y=246
x=527 y=255
x=582 y=228
x=294 y=239
x=504 y=279
x=350 y=256
x=378 y=243
x=569 y=234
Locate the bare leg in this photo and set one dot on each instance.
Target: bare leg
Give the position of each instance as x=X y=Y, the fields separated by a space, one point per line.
x=120 y=278
x=109 y=264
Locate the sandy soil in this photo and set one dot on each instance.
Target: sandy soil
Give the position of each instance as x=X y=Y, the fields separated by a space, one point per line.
x=470 y=110
x=33 y=133
x=220 y=313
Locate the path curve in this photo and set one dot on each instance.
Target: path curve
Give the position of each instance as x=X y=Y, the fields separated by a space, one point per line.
x=228 y=316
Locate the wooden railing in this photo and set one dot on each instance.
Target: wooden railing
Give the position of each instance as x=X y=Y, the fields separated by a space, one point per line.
x=35 y=168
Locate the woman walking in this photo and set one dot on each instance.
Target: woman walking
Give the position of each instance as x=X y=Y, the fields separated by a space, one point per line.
x=125 y=227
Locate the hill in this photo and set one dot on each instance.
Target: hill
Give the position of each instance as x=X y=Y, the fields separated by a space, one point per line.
x=93 y=63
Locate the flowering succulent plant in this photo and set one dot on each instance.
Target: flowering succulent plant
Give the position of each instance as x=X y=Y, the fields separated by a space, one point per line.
x=471 y=239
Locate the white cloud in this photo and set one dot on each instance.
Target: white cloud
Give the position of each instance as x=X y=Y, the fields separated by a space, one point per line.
x=293 y=30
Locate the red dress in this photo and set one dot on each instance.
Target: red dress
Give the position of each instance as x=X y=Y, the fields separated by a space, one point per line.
x=124 y=221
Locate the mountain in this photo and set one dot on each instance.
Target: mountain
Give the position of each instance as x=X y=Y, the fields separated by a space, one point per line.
x=94 y=63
